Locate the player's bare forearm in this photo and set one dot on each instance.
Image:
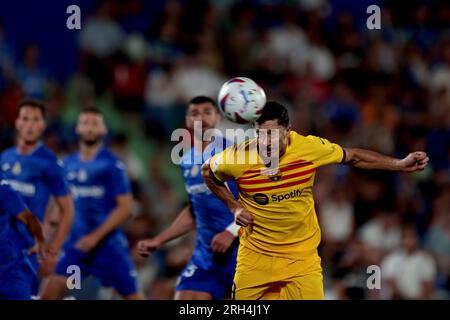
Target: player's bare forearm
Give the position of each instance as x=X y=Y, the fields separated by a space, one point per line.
x=367 y=159
x=65 y=206
x=219 y=188
x=180 y=226
x=116 y=218
x=33 y=225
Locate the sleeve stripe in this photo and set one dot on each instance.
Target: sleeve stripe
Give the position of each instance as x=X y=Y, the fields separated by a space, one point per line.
x=343 y=155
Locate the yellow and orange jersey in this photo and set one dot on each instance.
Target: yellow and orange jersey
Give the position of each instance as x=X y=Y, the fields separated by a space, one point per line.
x=280 y=199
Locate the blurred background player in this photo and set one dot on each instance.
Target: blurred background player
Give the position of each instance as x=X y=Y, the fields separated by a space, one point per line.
x=35 y=173
x=103 y=202
x=278 y=256
x=16 y=272
x=209 y=274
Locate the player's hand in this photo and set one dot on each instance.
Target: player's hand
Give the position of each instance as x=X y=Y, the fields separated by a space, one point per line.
x=147 y=246
x=222 y=241
x=47 y=266
x=242 y=217
x=87 y=243
x=414 y=162
x=42 y=250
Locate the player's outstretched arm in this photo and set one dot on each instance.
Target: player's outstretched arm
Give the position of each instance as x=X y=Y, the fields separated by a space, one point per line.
x=180 y=226
x=366 y=159
x=242 y=216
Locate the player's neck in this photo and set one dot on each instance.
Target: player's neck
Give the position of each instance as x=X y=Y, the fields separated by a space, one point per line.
x=26 y=148
x=87 y=152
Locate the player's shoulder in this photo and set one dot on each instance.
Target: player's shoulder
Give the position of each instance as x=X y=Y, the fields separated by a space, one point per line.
x=109 y=157
x=44 y=152
x=47 y=156
x=71 y=158
x=8 y=152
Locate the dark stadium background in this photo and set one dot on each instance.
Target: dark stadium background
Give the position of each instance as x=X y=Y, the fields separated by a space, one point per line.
x=141 y=61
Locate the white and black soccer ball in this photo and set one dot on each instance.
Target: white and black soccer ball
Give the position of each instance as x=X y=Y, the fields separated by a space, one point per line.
x=241 y=100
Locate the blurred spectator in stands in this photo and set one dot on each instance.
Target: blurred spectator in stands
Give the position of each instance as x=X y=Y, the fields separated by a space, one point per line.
x=437 y=240
x=31 y=76
x=101 y=39
x=408 y=272
x=337 y=220
x=130 y=74
x=6 y=60
x=380 y=235
x=162 y=100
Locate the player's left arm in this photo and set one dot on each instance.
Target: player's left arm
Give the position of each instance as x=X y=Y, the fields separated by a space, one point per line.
x=115 y=220
x=120 y=187
x=367 y=159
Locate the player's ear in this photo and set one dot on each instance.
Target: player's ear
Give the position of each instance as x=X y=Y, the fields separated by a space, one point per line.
x=288 y=129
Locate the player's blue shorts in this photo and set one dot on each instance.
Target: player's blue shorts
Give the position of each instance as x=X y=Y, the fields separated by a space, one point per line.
x=111 y=264
x=216 y=281
x=17 y=282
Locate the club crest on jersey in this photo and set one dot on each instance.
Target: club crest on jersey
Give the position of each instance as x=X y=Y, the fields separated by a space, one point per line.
x=16 y=169
x=82 y=175
x=274 y=174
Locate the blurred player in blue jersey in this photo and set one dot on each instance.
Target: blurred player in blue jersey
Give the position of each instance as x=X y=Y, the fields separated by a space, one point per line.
x=103 y=201
x=16 y=274
x=209 y=274
x=34 y=172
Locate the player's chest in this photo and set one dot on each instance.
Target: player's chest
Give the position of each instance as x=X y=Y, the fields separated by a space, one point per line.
x=24 y=169
x=284 y=182
x=86 y=173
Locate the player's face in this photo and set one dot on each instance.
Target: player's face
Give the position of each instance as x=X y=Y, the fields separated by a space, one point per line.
x=204 y=112
x=30 y=124
x=91 y=128
x=272 y=137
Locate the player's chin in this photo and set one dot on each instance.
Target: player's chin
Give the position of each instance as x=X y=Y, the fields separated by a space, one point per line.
x=31 y=140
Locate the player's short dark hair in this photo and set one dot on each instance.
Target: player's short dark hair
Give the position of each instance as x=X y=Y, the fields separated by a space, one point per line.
x=274 y=111
x=91 y=109
x=202 y=99
x=31 y=103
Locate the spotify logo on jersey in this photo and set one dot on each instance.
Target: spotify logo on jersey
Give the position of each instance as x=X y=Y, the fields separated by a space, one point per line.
x=261 y=198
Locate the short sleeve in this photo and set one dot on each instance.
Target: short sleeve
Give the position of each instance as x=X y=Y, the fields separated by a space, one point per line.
x=10 y=201
x=119 y=181
x=55 y=179
x=223 y=164
x=325 y=152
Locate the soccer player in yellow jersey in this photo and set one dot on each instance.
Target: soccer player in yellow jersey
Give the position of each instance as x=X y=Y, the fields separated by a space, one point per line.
x=279 y=233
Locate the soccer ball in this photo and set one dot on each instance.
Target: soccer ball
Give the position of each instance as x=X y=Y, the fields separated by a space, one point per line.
x=241 y=100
